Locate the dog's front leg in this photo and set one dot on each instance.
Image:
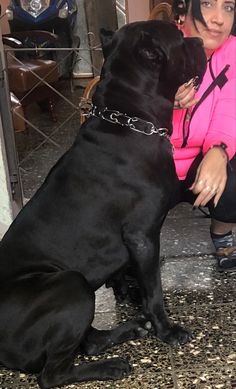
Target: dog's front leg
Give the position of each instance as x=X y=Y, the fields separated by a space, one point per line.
x=144 y=252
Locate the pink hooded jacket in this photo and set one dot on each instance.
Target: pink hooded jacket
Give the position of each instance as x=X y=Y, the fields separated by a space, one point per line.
x=214 y=120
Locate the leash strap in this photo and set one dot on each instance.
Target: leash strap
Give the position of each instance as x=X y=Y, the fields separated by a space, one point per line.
x=219 y=81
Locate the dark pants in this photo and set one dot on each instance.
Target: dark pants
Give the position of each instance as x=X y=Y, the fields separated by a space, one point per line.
x=226 y=207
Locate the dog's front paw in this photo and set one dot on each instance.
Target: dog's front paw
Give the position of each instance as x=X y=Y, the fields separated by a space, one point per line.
x=138 y=328
x=176 y=335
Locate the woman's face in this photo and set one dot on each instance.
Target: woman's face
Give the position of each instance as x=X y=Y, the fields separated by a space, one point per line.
x=219 y=17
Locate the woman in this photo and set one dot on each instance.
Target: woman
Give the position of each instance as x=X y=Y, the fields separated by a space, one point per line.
x=204 y=122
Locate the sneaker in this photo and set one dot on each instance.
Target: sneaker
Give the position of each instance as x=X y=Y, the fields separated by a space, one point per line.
x=226 y=258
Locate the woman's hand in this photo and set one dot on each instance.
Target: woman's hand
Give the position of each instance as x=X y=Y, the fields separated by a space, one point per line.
x=185 y=96
x=211 y=177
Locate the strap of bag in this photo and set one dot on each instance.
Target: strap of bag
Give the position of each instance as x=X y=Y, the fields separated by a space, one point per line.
x=219 y=81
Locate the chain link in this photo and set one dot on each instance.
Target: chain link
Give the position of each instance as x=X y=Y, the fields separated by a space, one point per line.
x=123 y=119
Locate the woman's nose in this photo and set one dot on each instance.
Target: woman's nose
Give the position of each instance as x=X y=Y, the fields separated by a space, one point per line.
x=217 y=16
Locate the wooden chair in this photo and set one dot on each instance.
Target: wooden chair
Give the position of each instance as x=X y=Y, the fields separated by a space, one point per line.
x=86 y=99
x=17 y=114
x=162 y=11
x=24 y=70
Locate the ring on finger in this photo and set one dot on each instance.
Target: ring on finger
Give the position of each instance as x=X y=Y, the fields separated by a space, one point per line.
x=200 y=182
x=177 y=105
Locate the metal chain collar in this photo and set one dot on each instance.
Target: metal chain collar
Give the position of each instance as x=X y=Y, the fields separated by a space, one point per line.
x=134 y=123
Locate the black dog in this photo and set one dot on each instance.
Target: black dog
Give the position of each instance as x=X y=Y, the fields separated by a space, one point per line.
x=100 y=209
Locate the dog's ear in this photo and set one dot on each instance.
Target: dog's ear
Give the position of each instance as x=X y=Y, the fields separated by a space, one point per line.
x=150 y=50
x=106 y=38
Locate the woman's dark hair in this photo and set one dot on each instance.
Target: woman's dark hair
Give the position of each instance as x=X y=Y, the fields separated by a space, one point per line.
x=180 y=7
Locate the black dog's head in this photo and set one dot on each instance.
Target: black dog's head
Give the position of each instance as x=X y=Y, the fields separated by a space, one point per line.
x=149 y=58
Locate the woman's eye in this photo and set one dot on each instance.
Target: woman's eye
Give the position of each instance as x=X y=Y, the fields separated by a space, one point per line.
x=206 y=4
x=230 y=8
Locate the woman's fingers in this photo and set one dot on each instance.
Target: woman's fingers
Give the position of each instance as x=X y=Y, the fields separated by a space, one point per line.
x=185 y=97
x=219 y=192
x=184 y=91
x=217 y=198
x=185 y=100
x=205 y=196
x=198 y=185
x=207 y=192
x=210 y=178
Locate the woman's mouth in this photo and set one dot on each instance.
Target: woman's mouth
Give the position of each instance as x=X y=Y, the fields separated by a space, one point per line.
x=214 y=33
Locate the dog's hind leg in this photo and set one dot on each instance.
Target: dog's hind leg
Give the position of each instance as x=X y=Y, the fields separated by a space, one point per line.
x=72 y=312
x=110 y=369
x=97 y=341
x=43 y=319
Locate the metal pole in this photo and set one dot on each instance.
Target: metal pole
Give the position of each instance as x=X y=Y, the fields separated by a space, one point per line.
x=100 y=14
x=8 y=135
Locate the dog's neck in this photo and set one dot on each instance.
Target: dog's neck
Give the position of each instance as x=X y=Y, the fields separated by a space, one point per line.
x=149 y=104
x=133 y=123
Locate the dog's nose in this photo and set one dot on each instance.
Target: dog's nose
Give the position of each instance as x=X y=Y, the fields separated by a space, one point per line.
x=195 y=41
x=200 y=41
